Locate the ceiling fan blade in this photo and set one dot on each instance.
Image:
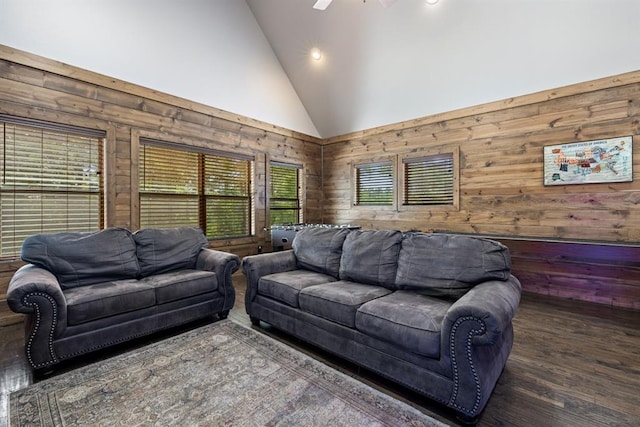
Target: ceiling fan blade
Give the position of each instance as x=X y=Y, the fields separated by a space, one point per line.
x=387 y=3
x=322 y=4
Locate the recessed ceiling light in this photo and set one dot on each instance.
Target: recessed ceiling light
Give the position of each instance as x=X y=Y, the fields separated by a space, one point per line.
x=432 y=1
x=316 y=54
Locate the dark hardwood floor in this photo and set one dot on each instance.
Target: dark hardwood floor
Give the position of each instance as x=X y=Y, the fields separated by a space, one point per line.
x=572 y=364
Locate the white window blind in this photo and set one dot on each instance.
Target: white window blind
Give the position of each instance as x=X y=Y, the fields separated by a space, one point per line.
x=284 y=193
x=374 y=184
x=429 y=180
x=50 y=180
x=183 y=186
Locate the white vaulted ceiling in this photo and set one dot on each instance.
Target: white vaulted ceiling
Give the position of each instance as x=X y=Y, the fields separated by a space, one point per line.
x=385 y=65
x=379 y=65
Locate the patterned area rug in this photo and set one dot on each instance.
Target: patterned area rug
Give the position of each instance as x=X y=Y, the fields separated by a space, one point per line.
x=221 y=374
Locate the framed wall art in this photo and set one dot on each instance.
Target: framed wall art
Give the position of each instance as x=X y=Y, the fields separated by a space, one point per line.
x=589 y=162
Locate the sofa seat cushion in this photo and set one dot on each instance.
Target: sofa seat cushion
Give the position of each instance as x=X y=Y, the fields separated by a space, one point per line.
x=160 y=250
x=320 y=249
x=181 y=284
x=286 y=286
x=407 y=319
x=84 y=258
x=450 y=265
x=339 y=301
x=371 y=257
x=106 y=299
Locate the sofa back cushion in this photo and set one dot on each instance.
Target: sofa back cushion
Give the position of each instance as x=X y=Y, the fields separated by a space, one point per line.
x=84 y=258
x=371 y=257
x=450 y=265
x=161 y=250
x=319 y=249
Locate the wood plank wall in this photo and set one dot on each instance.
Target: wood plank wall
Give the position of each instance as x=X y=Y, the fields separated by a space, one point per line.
x=602 y=273
x=501 y=185
x=548 y=229
x=38 y=88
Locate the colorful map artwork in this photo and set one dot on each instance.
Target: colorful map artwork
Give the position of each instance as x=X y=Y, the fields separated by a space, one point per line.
x=606 y=160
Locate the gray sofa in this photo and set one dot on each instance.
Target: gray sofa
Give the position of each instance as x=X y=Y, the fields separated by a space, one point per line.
x=85 y=291
x=432 y=312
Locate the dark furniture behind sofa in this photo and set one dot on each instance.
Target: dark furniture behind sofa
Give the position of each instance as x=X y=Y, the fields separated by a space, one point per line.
x=85 y=291
x=430 y=311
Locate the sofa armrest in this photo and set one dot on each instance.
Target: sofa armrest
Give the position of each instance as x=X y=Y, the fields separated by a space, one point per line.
x=30 y=281
x=477 y=336
x=493 y=303
x=256 y=266
x=224 y=264
x=37 y=293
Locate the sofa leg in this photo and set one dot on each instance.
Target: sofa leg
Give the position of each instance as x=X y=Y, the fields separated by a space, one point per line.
x=466 y=419
x=43 y=372
x=223 y=315
x=254 y=321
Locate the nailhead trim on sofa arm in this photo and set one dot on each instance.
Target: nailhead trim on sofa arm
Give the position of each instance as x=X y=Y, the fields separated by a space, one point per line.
x=469 y=359
x=28 y=301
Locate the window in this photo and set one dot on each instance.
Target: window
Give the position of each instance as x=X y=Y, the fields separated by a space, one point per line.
x=185 y=186
x=430 y=181
x=284 y=193
x=50 y=180
x=227 y=196
x=374 y=184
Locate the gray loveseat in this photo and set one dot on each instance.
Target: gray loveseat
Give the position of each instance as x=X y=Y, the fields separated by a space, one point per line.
x=86 y=291
x=432 y=312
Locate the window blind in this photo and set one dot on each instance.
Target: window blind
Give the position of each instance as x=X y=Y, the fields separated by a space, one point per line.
x=168 y=187
x=227 y=196
x=374 y=184
x=284 y=193
x=183 y=186
x=429 y=180
x=50 y=180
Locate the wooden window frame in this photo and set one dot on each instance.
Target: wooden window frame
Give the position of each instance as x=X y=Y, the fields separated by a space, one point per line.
x=402 y=181
x=359 y=164
x=299 y=168
x=97 y=138
x=140 y=137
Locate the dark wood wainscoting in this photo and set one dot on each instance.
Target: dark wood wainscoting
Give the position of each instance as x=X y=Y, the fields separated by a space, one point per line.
x=596 y=272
